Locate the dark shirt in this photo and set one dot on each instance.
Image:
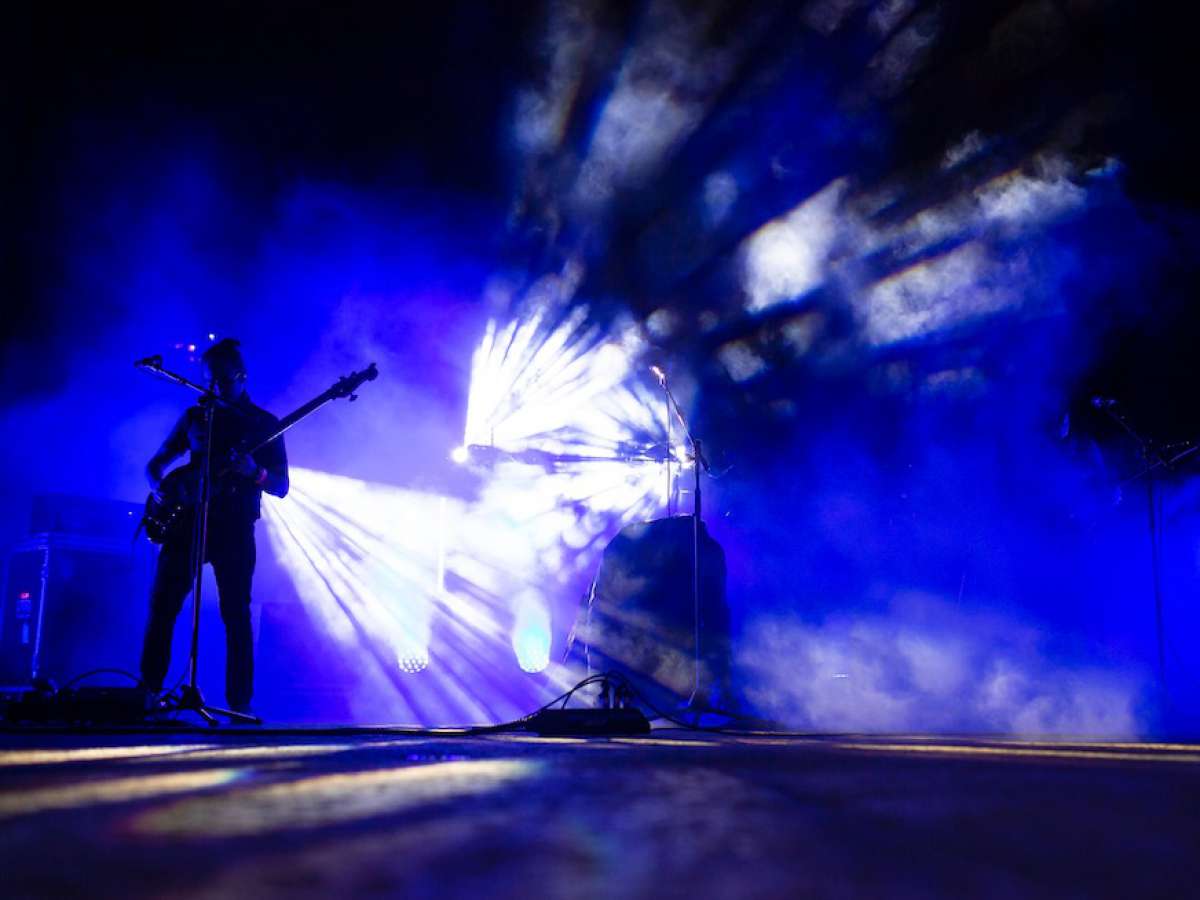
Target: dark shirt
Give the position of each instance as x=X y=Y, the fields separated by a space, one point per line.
x=239 y=426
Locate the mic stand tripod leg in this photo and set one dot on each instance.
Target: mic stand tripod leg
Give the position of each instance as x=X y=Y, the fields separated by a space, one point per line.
x=231 y=714
x=191 y=700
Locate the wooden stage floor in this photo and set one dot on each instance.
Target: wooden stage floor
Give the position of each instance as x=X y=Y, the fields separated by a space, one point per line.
x=248 y=813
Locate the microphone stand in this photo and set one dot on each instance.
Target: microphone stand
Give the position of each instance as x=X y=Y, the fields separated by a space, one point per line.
x=1153 y=460
x=699 y=462
x=190 y=698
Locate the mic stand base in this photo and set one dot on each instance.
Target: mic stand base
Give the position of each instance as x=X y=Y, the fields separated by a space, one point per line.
x=191 y=700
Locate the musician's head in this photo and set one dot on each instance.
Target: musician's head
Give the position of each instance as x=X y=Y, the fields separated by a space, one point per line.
x=225 y=368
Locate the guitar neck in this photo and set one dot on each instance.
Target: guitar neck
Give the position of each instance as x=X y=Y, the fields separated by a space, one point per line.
x=345 y=387
x=293 y=418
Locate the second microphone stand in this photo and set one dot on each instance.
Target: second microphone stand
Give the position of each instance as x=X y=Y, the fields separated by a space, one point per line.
x=1154 y=459
x=699 y=462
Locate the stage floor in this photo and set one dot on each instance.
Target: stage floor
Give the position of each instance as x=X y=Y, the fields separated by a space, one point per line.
x=250 y=813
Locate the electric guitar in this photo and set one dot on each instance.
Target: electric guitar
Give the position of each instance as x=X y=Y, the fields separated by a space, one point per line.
x=170 y=512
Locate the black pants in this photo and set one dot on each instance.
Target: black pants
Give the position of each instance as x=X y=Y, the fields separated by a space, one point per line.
x=231 y=552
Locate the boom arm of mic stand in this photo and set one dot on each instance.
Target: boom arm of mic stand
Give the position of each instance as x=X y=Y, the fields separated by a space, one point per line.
x=176 y=378
x=698 y=453
x=1159 y=463
x=1148 y=449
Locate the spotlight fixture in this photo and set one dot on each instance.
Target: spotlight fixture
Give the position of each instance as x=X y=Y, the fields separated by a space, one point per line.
x=411 y=665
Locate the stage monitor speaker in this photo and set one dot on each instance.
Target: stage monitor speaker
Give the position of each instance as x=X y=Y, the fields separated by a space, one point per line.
x=72 y=604
x=639 y=619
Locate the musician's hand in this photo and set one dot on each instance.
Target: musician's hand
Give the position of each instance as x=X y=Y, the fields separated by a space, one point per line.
x=244 y=464
x=154 y=476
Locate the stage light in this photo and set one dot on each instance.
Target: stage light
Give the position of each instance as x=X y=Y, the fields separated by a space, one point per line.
x=575 y=439
x=531 y=636
x=567 y=434
x=532 y=649
x=413 y=664
x=568 y=398
x=382 y=571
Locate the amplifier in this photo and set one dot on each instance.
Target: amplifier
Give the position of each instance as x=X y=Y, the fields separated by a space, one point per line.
x=94 y=705
x=94 y=517
x=72 y=604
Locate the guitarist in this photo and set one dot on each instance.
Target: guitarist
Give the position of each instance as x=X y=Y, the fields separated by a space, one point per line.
x=238 y=482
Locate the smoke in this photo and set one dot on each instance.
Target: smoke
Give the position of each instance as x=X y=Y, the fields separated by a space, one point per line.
x=316 y=280
x=878 y=314
x=888 y=307
x=925 y=664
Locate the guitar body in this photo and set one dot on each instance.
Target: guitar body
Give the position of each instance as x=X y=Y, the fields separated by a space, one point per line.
x=170 y=520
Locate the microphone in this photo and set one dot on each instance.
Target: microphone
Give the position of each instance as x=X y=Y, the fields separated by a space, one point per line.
x=1103 y=402
x=150 y=362
x=660 y=375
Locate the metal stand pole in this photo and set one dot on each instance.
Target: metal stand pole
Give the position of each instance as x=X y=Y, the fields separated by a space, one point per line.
x=1153 y=459
x=699 y=462
x=1152 y=500
x=696 y=571
x=191 y=699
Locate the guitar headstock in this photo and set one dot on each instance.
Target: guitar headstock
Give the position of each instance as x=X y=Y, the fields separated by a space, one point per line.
x=348 y=384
